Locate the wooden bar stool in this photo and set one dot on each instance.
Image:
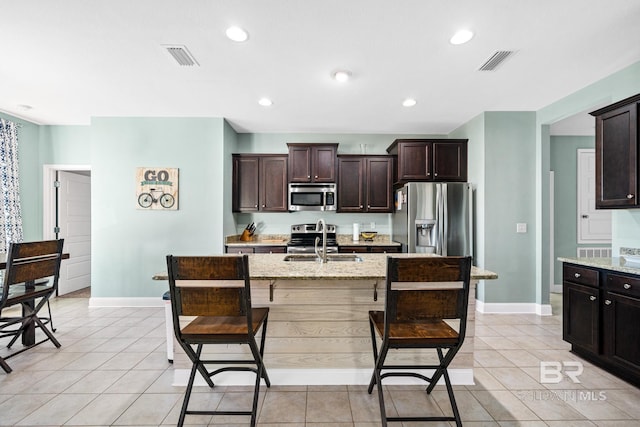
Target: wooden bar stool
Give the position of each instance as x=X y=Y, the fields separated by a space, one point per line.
x=214 y=293
x=31 y=277
x=423 y=295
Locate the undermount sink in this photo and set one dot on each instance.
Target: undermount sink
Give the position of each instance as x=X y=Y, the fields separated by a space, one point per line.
x=330 y=257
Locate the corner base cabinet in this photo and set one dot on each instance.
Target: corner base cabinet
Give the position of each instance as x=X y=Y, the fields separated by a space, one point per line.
x=601 y=318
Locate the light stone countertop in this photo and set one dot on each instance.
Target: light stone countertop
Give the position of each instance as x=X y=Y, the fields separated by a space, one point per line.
x=372 y=266
x=283 y=239
x=258 y=240
x=379 y=240
x=615 y=264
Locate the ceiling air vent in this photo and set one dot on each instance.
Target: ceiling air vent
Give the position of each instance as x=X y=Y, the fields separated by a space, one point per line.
x=181 y=54
x=495 y=60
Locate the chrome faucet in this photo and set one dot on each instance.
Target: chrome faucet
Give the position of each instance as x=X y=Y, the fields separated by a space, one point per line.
x=322 y=255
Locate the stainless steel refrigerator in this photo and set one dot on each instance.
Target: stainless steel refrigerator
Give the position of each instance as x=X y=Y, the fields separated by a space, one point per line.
x=434 y=218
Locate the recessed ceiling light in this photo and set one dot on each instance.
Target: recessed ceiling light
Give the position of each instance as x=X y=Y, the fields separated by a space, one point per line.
x=237 y=34
x=462 y=36
x=265 y=102
x=342 y=76
x=409 y=102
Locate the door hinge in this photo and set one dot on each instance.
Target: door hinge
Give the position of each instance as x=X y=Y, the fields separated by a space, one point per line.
x=56 y=229
x=56 y=184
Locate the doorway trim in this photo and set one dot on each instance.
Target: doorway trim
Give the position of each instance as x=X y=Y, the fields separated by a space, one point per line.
x=49 y=196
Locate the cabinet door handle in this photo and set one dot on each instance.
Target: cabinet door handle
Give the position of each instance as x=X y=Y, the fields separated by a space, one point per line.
x=592 y=298
x=607 y=302
x=630 y=196
x=435 y=174
x=255 y=206
x=626 y=286
x=308 y=176
x=264 y=206
x=360 y=206
x=577 y=275
x=316 y=177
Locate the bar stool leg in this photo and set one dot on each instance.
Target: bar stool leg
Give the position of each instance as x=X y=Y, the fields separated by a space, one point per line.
x=187 y=394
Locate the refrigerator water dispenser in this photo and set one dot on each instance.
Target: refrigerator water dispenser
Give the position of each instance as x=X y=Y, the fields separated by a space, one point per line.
x=425 y=235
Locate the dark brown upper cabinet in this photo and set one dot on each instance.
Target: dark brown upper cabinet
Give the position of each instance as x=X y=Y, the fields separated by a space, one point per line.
x=430 y=159
x=617 y=154
x=364 y=183
x=312 y=162
x=259 y=183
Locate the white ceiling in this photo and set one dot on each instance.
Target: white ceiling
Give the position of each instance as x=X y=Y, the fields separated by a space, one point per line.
x=71 y=60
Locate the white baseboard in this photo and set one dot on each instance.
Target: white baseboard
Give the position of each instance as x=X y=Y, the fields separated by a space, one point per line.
x=126 y=302
x=513 y=308
x=317 y=377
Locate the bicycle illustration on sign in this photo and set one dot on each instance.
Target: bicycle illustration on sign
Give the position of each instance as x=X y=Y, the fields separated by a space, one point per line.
x=147 y=199
x=158 y=188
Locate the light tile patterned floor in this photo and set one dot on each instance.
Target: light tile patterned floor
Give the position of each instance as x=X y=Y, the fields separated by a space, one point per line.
x=112 y=370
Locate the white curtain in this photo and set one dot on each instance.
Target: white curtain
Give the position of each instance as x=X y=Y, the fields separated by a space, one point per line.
x=10 y=212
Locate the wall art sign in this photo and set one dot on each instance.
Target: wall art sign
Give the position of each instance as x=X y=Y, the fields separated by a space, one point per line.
x=157 y=188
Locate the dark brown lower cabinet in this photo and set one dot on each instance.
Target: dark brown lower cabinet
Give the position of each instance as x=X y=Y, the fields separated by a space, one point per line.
x=601 y=318
x=380 y=249
x=581 y=316
x=258 y=249
x=622 y=334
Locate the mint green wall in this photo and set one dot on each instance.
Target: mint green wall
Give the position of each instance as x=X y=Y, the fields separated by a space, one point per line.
x=474 y=131
x=276 y=143
x=625 y=230
x=65 y=145
x=613 y=88
x=129 y=245
x=501 y=149
x=564 y=163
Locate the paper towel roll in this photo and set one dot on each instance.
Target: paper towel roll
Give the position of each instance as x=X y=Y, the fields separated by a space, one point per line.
x=356 y=231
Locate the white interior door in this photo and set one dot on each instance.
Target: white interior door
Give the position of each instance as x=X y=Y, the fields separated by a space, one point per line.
x=74 y=221
x=594 y=226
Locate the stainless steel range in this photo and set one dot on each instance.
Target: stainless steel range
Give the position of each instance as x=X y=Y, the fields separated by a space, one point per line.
x=303 y=238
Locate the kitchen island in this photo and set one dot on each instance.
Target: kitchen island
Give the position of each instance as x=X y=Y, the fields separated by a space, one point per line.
x=318 y=329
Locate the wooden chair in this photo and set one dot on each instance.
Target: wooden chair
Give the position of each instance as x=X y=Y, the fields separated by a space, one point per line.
x=421 y=294
x=215 y=292
x=31 y=277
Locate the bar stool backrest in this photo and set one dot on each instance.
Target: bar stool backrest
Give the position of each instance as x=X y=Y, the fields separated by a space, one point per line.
x=423 y=288
x=210 y=286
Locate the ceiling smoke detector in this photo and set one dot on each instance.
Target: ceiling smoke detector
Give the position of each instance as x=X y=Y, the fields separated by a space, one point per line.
x=181 y=54
x=495 y=60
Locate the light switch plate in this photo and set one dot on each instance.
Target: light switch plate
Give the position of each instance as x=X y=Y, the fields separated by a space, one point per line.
x=521 y=227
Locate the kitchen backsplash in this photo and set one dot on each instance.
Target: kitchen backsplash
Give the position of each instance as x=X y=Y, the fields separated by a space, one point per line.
x=278 y=223
x=629 y=251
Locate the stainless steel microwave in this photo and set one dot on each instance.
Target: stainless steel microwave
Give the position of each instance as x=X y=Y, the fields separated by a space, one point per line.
x=312 y=197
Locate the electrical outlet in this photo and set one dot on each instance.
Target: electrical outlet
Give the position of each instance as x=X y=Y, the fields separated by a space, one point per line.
x=521 y=227
x=373 y=225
